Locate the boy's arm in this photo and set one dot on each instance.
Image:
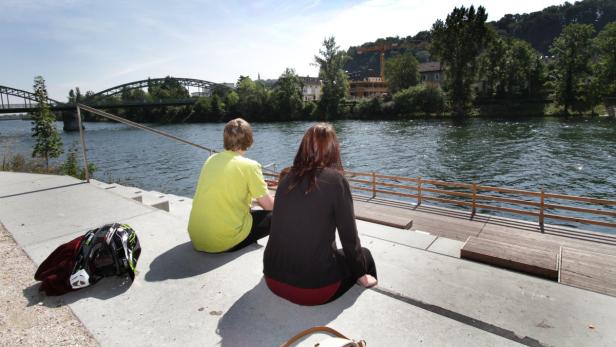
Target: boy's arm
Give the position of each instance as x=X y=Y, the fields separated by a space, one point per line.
x=266 y=201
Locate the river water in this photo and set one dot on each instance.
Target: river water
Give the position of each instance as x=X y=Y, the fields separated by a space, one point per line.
x=568 y=156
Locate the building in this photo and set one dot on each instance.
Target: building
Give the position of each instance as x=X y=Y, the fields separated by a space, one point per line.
x=431 y=72
x=312 y=88
x=369 y=87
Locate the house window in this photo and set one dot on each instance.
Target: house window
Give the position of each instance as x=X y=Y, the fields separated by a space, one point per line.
x=436 y=77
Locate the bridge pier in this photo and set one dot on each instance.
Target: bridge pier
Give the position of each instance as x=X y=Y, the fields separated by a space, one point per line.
x=70 y=121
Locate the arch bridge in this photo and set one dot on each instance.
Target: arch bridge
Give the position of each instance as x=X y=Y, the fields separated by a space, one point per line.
x=27 y=100
x=203 y=85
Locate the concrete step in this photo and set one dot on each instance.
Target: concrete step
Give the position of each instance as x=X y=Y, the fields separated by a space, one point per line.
x=155 y=199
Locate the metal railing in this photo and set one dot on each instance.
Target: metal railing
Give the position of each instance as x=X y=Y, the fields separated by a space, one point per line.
x=474 y=196
x=127 y=122
x=470 y=195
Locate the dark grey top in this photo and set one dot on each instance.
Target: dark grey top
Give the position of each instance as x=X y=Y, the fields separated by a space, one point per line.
x=301 y=247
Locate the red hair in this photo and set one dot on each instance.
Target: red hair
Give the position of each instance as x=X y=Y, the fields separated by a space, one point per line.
x=319 y=149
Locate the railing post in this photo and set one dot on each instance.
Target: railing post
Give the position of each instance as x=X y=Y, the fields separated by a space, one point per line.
x=373 y=184
x=474 y=209
x=418 y=190
x=541 y=209
x=83 y=145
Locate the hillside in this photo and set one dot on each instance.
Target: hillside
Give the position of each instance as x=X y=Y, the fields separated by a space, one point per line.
x=538 y=28
x=541 y=27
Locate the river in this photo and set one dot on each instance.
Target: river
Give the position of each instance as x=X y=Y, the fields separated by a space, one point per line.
x=568 y=156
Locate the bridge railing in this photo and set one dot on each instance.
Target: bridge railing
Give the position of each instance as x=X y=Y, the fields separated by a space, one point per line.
x=538 y=205
x=18 y=106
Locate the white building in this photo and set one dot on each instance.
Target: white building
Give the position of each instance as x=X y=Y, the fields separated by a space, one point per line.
x=311 y=89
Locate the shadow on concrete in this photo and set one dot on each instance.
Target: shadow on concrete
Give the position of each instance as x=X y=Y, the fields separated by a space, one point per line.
x=104 y=289
x=183 y=261
x=42 y=190
x=260 y=318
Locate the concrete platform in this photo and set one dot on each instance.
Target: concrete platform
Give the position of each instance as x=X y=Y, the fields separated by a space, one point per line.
x=187 y=298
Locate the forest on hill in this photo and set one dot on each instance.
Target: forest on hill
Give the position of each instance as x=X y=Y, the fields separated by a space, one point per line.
x=537 y=28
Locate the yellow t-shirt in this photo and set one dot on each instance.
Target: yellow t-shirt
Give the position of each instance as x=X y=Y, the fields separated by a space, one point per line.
x=220 y=216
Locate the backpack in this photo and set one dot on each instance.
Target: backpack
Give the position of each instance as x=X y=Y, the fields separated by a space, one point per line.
x=112 y=249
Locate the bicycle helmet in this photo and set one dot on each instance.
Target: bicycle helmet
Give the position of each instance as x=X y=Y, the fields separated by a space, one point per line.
x=112 y=249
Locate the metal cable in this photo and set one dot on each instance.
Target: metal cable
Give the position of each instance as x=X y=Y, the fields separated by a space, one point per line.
x=143 y=127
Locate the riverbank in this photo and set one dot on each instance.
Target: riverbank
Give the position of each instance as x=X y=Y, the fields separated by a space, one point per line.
x=425 y=295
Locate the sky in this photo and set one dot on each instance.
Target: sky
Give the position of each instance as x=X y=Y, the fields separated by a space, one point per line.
x=95 y=45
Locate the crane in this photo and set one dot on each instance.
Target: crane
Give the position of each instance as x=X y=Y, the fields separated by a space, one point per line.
x=382 y=48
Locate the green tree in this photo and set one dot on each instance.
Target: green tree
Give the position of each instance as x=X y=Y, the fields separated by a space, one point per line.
x=287 y=96
x=48 y=143
x=605 y=67
x=572 y=51
x=424 y=98
x=254 y=99
x=331 y=61
x=458 y=42
x=510 y=68
x=492 y=67
x=231 y=101
x=217 y=106
x=401 y=72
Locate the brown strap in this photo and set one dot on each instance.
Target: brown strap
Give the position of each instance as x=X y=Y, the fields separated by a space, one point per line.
x=312 y=331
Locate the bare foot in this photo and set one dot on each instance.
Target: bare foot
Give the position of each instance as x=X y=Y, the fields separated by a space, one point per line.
x=367 y=281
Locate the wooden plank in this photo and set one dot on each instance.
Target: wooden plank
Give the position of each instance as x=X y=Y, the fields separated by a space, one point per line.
x=580 y=220
x=508 y=190
x=581 y=209
x=447 y=184
x=588 y=270
x=532 y=261
x=521 y=237
x=581 y=198
x=393 y=217
x=518 y=238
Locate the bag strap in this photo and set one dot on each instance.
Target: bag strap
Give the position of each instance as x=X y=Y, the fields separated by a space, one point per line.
x=315 y=330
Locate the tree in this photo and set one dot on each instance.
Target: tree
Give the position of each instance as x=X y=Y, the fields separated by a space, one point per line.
x=458 y=42
x=605 y=67
x=331 y=61
x=401 y=72
x=510 y=68
x=492 y=67
x=231 y=101
x=571 y=74
x=254 y=98
x=287 y=96
x=425 y=98
x=48 y=143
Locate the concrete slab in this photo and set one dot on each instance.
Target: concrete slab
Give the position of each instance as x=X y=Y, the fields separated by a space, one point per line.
x=546 y=311
x=125 y=191
x=101 y=184
x=446 y=246
x=48 y=214
x=402 y=236
x=184 y=297
x=13 y=183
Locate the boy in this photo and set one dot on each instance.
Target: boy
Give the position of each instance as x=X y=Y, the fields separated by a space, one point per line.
x=221 y=219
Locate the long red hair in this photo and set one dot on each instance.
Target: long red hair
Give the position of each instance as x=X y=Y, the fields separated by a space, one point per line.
x=319 y=149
